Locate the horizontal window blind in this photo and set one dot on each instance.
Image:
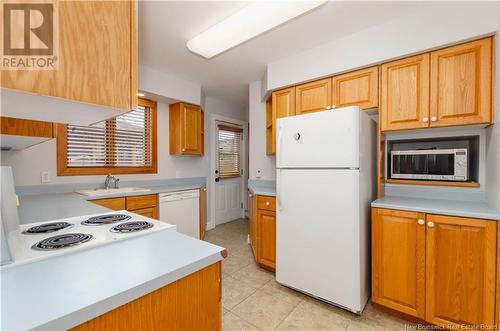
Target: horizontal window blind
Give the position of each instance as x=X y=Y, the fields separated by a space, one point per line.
x=125 y=141
x=229 y=144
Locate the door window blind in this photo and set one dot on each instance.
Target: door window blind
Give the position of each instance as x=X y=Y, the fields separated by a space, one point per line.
x=229 y=147
x=125 y=141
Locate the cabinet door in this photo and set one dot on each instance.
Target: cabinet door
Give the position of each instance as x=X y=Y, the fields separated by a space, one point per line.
x=251 y=219
x=96 y=56
x=150 y=212
x=314 y=96
x=461 y=84
x=266 y=222
x=398 y=260
x=460 y=271
x=191 y=127
x=356 y=88
x=203 y=212
x=270 y=127
x=405 y=94
x=111 y=203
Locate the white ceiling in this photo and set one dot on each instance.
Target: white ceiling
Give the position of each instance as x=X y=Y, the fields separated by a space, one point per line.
x=165 y=26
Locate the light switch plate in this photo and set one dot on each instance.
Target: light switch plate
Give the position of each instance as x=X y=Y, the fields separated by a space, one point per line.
x=45 y=176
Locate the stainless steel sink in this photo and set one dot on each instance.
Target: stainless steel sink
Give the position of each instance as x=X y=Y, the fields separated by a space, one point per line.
x=111 y=191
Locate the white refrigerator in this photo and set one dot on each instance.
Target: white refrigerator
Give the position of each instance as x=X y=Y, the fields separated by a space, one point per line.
x=326 y=170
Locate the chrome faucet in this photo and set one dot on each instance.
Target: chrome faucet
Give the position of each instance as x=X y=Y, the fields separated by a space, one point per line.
x=108 y=180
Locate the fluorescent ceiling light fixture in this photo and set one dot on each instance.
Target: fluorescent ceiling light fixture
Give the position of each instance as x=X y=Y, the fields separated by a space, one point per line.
x=249 y=22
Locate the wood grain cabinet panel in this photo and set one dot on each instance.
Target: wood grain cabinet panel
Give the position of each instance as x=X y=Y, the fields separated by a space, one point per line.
x=405 y=94
x=266 y=222
x=186 y=129
x=111 y=203
x=151 y=212
x=313 y=97
x=461 y=84
x=460 y=268
x=359 y=88
x=142 y=201
x=252 y=222
x=96 y=60
x=398 y=260
x=266 y=202
x=21 y=127
x=190 y=303
x=203 y=212
x=281 y=104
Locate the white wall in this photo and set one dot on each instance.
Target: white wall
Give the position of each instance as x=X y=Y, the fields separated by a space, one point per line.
x=437 y=24
x=493 y=140
x=170 y=86
x=216 y=106
x=257 y=136
x=28 y=163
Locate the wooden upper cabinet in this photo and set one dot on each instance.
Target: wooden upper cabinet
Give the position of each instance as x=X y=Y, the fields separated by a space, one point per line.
x=28 y=128
x=460 y=268
x=461 y=84
x=313 y=97
x=186 y=129
x=405 y=94
x=356 y=88
x=398 y=260
x=283 y=102
x=97 y=56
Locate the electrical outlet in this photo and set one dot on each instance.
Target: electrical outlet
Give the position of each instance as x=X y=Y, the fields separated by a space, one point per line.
x=258 y=173
x=45 y=176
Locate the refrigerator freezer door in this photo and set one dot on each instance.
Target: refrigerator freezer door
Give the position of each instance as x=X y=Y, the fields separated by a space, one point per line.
x=317 y=234
x=328 y=139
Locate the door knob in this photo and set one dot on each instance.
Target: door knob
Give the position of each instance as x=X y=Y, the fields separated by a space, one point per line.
x=267 y=203
x=434 y=119
x=328 y=107
x=421 y=222
x=425 y=119
x=430 y=224
x=333 y=106
x=183 y=149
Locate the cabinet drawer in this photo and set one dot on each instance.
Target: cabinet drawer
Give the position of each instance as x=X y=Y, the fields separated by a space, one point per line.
x=150 y=212
x=111 y=203
x=141 y=201
x=266 y=203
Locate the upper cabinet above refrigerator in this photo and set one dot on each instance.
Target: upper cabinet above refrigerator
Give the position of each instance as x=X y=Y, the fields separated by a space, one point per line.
x=94 y=72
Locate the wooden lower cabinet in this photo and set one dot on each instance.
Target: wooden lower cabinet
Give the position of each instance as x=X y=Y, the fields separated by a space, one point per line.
x=145 y=205
x=190 y=303
x=398 y=260
x=266 y=229
x=262 y=229
x=460 y=271
x=203 y=212
x=440 y=269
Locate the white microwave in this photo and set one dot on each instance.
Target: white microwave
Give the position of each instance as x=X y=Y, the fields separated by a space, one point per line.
x=430 y=164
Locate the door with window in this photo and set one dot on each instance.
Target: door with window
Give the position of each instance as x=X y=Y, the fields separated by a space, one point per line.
x=228 y=179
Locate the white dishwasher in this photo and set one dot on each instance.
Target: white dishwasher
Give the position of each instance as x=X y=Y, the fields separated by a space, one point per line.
x=182 y=209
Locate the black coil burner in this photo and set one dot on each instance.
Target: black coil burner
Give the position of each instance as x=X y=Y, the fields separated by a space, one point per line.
x=62 y=241
x=133 y=226
x=106 y=219
x=48 y=227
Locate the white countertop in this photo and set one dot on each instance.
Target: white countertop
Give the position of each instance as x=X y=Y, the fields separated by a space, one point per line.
x=63 y=292
x=439 y=206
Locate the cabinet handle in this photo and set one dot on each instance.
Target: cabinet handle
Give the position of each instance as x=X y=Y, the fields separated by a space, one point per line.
x=204 y=189
x=333 y=106
x=183 y=149
x=425 y=119
x=421 y=222
x=267 y=203
x=430 y=224
x=434 y=119
x=328 y=107
x=250 y=195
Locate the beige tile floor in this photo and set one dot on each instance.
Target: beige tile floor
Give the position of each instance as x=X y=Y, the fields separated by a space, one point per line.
x=253 y=300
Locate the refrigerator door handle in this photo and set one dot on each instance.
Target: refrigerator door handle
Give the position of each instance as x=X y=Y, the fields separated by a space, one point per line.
x=278 y=191
x=278 y=149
